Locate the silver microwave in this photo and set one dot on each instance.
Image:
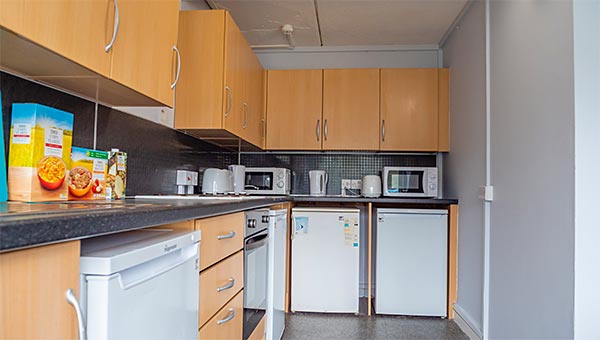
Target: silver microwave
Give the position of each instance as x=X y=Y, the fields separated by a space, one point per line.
x=268 y=181
x=410 y=181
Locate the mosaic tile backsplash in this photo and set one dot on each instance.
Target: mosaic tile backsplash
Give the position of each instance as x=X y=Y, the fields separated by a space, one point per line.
x=338 y=166
x=155 y=152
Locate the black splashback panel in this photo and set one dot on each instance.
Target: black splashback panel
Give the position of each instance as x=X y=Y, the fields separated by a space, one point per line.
x=338 y=166
x=154 y=151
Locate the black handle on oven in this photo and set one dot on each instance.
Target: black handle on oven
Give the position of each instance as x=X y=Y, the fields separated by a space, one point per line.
x=256 y=241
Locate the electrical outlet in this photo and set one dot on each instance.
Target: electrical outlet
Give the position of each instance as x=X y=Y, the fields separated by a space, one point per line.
x=346 y=184
x=356 y=184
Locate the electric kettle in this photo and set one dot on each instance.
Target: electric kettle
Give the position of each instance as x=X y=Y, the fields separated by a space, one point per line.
x=318 y=182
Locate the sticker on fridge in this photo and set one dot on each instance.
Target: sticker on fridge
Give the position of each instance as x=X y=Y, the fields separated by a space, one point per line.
x=301 y=225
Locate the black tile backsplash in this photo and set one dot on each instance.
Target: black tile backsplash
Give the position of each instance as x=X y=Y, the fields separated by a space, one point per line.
x=155 y=152
x=338 y=166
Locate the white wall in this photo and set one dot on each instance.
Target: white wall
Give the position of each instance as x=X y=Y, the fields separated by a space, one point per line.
x=532 y=168
x=464 y=165
x=587 y=167
x=324 y=57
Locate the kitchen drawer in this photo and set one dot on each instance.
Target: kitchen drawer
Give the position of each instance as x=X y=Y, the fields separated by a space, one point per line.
x=259 y=331
x=225 y=273
x=221 y=237
x=227 y=323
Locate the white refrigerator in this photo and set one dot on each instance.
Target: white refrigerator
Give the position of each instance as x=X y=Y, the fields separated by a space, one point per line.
x=325 y=260
x=411 y=262
x=141 y=284
x=276 y=278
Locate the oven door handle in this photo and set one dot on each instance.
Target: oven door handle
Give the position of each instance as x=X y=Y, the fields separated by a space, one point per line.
x=257 y=242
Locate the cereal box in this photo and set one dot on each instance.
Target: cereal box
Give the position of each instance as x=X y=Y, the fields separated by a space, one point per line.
x=40 y=153
x=87 y=177
x=116 y=179
x=3 y=187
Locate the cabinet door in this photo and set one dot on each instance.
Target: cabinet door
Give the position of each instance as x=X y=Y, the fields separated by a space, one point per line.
x=11 y=15
x=33 y=285
x=77 y=30
x=351 y=109
x=143 y=55
x=235 y=73
x=255 y=111
x=199 y=93
x=294 y=109
x=409 y=109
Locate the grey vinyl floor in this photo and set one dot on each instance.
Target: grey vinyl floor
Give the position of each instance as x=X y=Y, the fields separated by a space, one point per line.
x=312 y=326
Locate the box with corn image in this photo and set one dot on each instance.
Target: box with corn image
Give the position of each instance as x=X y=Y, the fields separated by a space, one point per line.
x=39 y=154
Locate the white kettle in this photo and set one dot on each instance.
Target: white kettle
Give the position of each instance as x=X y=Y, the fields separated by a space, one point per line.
x=318 y=182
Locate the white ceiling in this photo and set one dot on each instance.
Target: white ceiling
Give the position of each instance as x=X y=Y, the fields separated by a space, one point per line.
x=344 y=22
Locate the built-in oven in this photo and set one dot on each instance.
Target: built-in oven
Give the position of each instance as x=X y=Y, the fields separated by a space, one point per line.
x=256 y=240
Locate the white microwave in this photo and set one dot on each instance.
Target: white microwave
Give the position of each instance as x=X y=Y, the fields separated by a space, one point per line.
x=410 y=181
x=268 y=181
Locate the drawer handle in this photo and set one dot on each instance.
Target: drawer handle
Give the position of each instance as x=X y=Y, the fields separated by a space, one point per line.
x=226 y=236
x=228 y=318
x=227 y=286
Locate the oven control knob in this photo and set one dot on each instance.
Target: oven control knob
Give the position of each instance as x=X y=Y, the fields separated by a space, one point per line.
x=265 y=219
x=280 y=184
x=251 y=223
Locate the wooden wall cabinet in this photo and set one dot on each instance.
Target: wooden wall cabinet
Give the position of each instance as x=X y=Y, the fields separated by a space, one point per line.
x=144 y=57
x=33 y=286
x=351 y=109
x=140 y=54
x=414 y=110
x=294 y=109
x=220 y=95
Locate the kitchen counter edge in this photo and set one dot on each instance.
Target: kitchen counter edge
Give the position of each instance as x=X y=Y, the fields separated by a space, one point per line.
x=41 y=229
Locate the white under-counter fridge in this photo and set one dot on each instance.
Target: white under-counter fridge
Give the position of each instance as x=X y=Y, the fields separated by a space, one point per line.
x=140 y=284
x=411 y=262
x=325 y=260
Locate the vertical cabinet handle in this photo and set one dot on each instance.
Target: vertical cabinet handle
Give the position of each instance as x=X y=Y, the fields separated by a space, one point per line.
x=383 y=130
x=108 y=47
x=318 y=129
x=71 y=299
x=325 y=130
x=226 y=236
x=245 y=123
x=229 y=100
x=227 y=286
x=228 y=318
x=178 y=67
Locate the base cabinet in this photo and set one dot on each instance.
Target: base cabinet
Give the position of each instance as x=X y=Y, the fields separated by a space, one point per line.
x=33 y=287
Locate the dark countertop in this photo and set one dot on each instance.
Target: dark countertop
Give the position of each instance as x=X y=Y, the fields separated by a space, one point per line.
x=378 y=200
x=25 y=225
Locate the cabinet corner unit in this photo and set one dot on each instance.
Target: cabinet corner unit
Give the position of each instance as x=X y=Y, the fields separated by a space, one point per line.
x=220 y=94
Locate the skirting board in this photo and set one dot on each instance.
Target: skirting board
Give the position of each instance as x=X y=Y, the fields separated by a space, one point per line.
x=466 y=326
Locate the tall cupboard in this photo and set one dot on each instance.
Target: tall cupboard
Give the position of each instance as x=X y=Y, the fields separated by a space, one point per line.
x=221 y=91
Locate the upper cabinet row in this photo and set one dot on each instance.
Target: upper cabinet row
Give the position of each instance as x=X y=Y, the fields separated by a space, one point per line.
x=220 y=95
x=129 y=41
x=358 y=109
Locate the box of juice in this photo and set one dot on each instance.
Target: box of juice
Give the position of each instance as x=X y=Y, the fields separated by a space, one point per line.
x=87 y=177
x=116 y=178
x=40 y=153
